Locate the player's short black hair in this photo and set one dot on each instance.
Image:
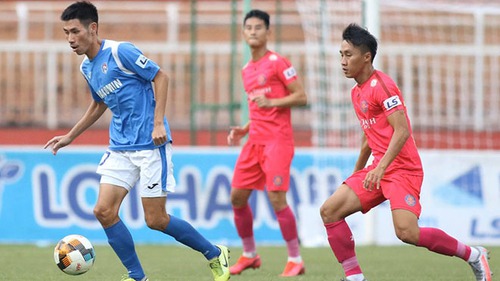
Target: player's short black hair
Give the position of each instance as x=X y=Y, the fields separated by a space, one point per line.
x=360 y=38
x=258 y=14
x=84 y=11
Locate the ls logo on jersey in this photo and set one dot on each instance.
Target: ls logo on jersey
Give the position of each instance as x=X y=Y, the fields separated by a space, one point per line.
x=142 y=61
x=289 y=72
x=392 y=102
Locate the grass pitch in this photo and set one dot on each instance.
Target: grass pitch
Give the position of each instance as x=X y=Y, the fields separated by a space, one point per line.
x=178 y=263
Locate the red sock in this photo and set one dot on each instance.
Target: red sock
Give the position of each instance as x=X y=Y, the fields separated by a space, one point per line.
x=342 y=244
x=439 y=242
x=288 y=227
x=243 y=219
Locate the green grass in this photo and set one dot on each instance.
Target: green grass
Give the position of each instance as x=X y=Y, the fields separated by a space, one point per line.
x=408 y=263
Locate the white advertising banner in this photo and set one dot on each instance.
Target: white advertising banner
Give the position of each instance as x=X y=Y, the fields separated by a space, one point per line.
x=45 y=197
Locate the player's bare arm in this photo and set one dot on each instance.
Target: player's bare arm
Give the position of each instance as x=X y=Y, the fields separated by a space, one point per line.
x=297 y=97
x=94 y=112
x=398 y=122
x=237 y=133
x=159 y=133
x=364 y=153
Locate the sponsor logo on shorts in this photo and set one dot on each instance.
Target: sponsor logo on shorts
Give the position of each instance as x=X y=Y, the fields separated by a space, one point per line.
x=152 y=186
x=410 y=200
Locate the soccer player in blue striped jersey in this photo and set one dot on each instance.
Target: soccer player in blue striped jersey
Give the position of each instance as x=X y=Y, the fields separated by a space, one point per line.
x=134 y=88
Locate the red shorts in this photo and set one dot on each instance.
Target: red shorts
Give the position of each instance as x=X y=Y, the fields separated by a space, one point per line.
x=402 y=191
x=264 y=165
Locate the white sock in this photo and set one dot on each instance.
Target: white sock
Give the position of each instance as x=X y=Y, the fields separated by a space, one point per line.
x=474 y=254
x=356 y=277
x=249 y=255
x=295 y=259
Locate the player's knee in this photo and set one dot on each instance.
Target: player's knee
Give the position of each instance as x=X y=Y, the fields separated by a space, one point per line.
x=104 y=215
x=407 y=235
x=327 y=213
x=237 y=201
x=157 y=222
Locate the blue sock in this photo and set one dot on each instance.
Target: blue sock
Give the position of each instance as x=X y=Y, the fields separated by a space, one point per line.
x=183 y=232
x=121 y=241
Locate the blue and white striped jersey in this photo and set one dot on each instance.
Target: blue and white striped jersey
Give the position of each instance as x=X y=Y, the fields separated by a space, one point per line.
x=121 y=76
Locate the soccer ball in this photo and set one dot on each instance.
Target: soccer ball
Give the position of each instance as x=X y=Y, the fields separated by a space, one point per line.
x=74 y=254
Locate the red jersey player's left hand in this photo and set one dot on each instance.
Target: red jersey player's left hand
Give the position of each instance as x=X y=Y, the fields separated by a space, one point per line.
x=236 y=134
x=262 y=101
x=373 y=178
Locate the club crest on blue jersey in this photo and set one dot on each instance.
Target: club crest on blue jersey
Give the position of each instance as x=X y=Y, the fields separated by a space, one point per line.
x=104 y=68
x=410 y=200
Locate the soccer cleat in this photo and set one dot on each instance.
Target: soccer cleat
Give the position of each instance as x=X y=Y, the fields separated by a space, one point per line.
x=220 y=265
x=481 y=268
x=293 y=269
x=245 y=263
x=126 y=278
x=345 y=279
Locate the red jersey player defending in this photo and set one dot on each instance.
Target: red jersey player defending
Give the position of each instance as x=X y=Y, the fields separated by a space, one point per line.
x=396 y=172
x=272 y=87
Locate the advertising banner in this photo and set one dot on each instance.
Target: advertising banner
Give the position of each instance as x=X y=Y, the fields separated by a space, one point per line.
x=45 y=197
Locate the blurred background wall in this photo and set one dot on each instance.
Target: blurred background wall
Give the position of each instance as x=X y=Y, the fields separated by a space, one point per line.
x=443 y=54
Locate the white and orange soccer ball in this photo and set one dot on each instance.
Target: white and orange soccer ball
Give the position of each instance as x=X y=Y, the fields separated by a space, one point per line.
x=74 y=254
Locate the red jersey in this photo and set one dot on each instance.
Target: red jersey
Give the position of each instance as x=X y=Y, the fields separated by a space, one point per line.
x=269 y=76
x=373 y=101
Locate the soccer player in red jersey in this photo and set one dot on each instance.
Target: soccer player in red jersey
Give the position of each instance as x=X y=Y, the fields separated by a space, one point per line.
x=272 y=87
x=396 y=171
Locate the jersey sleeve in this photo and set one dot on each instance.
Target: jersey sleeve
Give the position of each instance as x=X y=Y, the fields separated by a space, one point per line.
x=285 y=71
x=389 y=97
x=135 y=61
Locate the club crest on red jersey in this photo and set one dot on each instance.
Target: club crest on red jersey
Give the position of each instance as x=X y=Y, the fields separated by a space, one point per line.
x=364 y=106
x=262 y=79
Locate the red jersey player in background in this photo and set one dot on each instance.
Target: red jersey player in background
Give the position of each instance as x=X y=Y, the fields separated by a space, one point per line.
x=396 y=172
x=272 y=87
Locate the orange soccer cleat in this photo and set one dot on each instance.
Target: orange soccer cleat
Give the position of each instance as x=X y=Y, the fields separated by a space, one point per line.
x=293 y=269
x=481 y=267
x=245 y=263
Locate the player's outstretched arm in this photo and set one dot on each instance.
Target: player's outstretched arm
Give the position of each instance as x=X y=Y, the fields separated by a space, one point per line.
x=94 y=112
